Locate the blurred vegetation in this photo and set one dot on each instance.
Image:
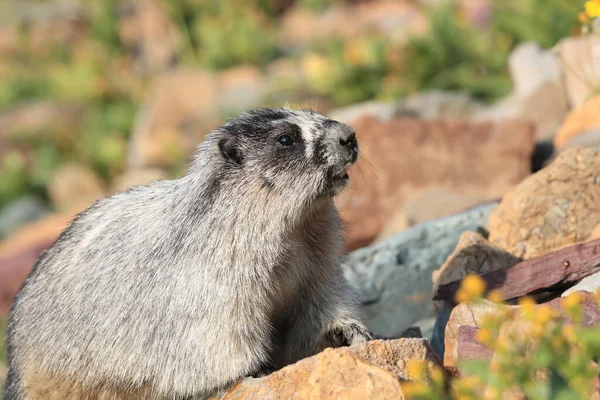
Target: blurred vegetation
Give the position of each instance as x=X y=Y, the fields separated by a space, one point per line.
x=542 y=357
x=97 y=71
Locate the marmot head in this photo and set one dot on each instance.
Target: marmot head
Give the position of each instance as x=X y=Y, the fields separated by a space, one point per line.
x=288 y=151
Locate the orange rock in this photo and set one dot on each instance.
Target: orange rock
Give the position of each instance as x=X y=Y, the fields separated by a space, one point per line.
x=554 y=208
x=373 y=370
x=581 y=119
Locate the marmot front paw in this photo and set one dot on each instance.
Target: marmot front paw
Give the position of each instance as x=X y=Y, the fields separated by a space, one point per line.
x=348 y=334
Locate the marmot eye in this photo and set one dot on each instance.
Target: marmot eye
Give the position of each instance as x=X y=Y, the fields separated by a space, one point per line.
x=285 y=140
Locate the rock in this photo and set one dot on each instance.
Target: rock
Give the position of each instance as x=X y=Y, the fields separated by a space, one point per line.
x=384 y=111
x=551 y=209
x=373 y=370
x=539 y=95
x=395 y=20
x=590 y=283
x=393 y=278
x=19 y=252
x=530 y=67
x=436 y=202
x=580 y=59
x=464 y=314
x=75 y=187
x=595 y=234
x=589 y=138
x=556 y=269
x=21 y=211
x=478 y=160
x=473 y=254
x=146 y=29
x=464 y=345
x=580 y=120
x=398 y=222
x=428 y=204
x=440 y=104
x=428 y=104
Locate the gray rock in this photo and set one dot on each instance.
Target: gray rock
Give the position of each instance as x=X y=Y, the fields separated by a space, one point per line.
x=588 y=138
x=589 y=284
x=539 y=94
x=429 y=104
x=19 y=212
x=441 y=104
x=393 y=277
x=382 y=110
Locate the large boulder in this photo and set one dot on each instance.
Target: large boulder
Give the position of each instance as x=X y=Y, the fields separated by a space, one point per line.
x=539 y=95
x=373 y=370
x=554 y=208
x=580 y=57
x=477 y=160
x=393 y=278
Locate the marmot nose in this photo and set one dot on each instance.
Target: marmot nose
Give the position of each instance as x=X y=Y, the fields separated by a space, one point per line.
x=348 y=139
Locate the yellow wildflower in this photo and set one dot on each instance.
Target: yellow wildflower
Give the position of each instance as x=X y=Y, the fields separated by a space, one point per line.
x=353 y=53
x=571 y=301
x=584 y=18
x=592 y=8
x=568 y=332
x=527 y=306
x=462 y=296
x=495 y=296
x=543 y=314
x=483 y=336
x=412 y=389
x=473 y=285
x=416 y=369
x=437 y=375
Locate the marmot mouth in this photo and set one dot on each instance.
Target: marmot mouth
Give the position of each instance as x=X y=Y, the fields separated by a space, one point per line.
x=343 y=175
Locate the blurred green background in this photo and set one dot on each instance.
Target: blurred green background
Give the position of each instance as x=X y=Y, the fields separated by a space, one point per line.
x=91 y=71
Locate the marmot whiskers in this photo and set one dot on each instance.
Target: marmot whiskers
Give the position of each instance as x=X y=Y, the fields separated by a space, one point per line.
x=179 y=288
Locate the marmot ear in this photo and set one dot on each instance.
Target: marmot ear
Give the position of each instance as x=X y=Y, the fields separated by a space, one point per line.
x=229 y=148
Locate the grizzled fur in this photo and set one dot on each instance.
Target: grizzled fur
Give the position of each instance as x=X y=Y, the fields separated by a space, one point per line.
x=179 y=288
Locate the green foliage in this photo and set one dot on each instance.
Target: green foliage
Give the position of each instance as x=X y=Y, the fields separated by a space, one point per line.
x=224 y=33
x=453 y=57
x=234 y=35
x=542 y=21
